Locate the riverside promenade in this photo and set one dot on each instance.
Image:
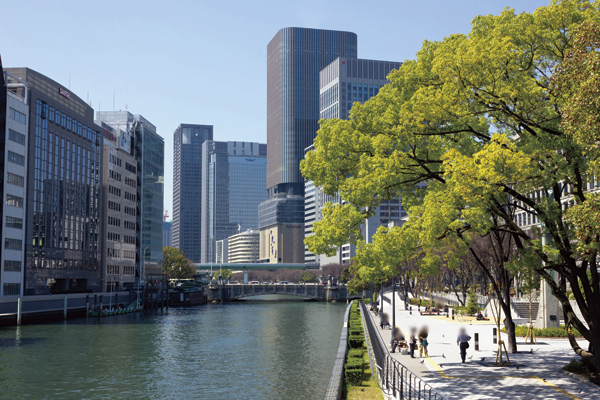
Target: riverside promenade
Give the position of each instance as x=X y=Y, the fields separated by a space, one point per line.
x=536 y=371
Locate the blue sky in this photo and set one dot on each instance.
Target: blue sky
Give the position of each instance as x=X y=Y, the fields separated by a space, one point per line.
x=205 y=61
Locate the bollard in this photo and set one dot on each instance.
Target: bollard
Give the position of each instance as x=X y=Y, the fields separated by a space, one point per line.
x=495 y=335
x=410 y=308
x=19 y=309
x=453 y=313
x=87 y=305
x=101 y=310
x=476 y=341
x=65 y=308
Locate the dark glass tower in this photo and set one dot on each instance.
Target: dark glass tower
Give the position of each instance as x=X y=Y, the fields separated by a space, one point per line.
x=187 y=187
x=295 y=56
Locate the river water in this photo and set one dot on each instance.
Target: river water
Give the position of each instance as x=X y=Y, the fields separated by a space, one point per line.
x=244 y=350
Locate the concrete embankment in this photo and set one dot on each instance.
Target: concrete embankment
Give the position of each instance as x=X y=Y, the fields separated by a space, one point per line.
x=334 y=391
x=37 y=309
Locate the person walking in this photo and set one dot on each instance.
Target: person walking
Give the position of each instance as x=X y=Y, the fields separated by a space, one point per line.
x=412 y=343
x=423 y=334
x=463 y=342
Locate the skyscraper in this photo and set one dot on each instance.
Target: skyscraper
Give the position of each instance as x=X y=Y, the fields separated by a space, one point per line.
x=294 y=58
x=343 y=82
x=149 y=153
x=233 y=185
x=187 y=187
x=63 y=234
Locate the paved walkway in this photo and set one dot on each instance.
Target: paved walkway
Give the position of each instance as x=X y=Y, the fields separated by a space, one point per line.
x=535 y=372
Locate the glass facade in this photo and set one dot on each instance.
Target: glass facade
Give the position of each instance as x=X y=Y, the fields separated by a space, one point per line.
x=294 y=58
x=187 y=187
x=153 y=171
x=233 y=187
x=63 y=236
x=343 y=82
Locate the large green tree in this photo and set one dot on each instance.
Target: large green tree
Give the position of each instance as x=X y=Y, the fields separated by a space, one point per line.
x=470 y=134
x=176 y=265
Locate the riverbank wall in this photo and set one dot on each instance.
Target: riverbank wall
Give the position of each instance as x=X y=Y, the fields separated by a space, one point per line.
x=53 y=307
x=334 y=390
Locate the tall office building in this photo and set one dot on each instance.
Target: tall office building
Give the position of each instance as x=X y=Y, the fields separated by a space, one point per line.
x=14 y=132
x=168 y=233
x=63 y=236
x=294 y=58
x=233 y=185
x=149 y=152
x=119 y=208
x=341 y=83
x=187 y=187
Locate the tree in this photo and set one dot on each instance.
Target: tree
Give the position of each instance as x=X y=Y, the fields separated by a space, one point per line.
x=307 y=277
x=175 y=265
x=345 y=275
x=471 y=307
x=226 y=274
x=470 y=135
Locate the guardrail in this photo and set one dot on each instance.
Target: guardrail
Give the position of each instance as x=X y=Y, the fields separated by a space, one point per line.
x=394 y=378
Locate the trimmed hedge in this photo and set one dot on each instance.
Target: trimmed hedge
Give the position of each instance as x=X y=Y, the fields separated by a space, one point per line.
x=356 y=353
x=355 y=331
x=355 y=341
x=354 y=376
x=521 y=330
x=354 y=363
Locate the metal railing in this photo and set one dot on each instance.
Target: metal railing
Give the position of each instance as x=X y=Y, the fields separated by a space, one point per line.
x=394 y=378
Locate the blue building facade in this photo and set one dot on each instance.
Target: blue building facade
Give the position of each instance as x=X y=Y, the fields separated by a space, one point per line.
x=233 y=185
x=187 y=187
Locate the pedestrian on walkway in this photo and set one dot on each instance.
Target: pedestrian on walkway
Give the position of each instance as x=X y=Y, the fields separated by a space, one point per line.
x=463 y=342
x=412 y=342
x=423 y=334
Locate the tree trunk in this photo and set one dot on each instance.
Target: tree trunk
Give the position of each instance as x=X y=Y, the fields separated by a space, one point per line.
x=509 y=324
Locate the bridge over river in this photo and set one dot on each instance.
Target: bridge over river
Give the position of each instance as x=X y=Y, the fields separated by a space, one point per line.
x=231 y=292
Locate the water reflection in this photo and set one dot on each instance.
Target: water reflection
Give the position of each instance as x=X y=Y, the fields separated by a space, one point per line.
x=246 y=350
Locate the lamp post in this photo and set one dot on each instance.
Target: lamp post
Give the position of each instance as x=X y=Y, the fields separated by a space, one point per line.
x=393 y=302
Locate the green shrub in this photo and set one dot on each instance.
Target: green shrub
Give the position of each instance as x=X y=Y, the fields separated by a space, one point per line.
x=580 y=366
x=354 y=363
x=355 y=331
x=354 y=376
x=521 y=330
x=356 y=353
x=356 y=341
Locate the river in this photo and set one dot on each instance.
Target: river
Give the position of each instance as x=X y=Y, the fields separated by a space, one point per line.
x=243 y=350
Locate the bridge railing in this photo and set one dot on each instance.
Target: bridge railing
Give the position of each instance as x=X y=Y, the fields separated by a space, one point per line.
x=394 y=378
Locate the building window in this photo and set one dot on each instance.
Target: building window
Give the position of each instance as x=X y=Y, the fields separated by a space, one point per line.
x=14 y=201
x=11 y=289
x=17 y=116
x=16 y=158
x=12 y=222
x=16 y=137
x=16 y=180
x=13 y=244
x=12 y=266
